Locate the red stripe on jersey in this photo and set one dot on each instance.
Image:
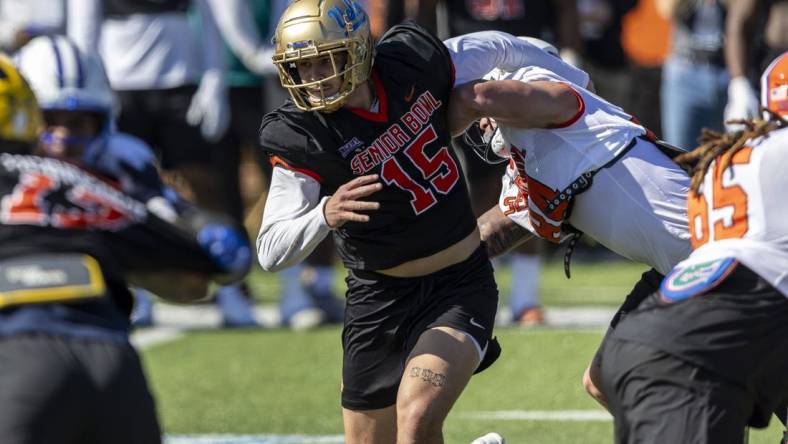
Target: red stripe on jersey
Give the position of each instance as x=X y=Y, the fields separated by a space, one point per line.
x=649 y=134
x=278 y=161
x=581 y=108
x=382 y=114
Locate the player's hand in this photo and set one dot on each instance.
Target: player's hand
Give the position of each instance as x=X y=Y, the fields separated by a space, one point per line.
x=743 y=103
x=345 y=205
x=210 y=107
x=227 y=247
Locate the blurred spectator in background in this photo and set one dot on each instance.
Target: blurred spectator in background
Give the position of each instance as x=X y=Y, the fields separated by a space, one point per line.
x=603 y=56
x=22 y=20
x=756 y=32
x=694 y=77
x=383 y=14
x=555 y=21
x=307 y=297
x=243 y=25
x=170 y=81
x=645 y=37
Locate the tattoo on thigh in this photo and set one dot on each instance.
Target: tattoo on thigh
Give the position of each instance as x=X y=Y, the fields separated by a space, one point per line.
x=428 y=376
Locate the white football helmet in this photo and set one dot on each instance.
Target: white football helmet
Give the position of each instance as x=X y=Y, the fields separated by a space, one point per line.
x=64 y=78
x=774 y=86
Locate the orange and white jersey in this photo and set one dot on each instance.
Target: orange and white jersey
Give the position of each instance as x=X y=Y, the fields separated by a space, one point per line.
x=636 y=206
x=742 y=212
x=557 y=156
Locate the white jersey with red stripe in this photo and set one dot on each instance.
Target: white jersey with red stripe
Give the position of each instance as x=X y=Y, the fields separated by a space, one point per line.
x=557 y=156
x=636 y=206
x=742 y=212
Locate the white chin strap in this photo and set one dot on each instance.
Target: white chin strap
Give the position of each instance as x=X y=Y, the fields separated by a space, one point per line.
x=500 y=146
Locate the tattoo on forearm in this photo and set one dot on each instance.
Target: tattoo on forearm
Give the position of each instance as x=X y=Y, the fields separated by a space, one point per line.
x=428 y=376
x=499 y=232
x=503 y=237
x=512 y=235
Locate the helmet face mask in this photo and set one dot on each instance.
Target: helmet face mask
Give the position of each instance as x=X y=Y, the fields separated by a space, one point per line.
x=325 y=91
x=20 y=117
x=334 y=30
x=479 y=137
x=70 y=134
x=774 y=86
x=74 y=93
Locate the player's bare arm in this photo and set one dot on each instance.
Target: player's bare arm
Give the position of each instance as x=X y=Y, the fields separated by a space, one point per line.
x=347 y=203
x=740 y=20
x=500 y=233
x=538 y=104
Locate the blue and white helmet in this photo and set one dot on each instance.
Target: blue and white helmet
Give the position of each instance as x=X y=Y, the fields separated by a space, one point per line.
x=67 y=79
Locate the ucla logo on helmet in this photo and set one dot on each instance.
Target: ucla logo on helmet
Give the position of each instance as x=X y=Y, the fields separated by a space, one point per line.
x=301 y=45
x=353 y=14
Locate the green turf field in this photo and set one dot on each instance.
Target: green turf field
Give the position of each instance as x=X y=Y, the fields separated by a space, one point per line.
x=288 y=383
x=283 y=382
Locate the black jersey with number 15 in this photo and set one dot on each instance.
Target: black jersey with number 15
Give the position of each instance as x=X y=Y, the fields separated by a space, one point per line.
x=424 y=205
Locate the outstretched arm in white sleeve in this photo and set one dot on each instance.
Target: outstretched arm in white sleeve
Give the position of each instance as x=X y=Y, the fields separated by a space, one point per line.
x=296 y=219
x=476 y=54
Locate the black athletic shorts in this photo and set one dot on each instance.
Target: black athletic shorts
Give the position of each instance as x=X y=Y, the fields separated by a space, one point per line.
x=648 y=284
x=158 y=117
x=59 y=389
x=658 y=398
x=385 y=316
x=701 y=369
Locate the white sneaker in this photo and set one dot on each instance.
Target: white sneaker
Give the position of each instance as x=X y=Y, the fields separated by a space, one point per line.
x=490 y=438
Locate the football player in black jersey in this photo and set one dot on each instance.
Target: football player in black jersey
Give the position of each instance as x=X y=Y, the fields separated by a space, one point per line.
x=72 y=243
x=78 y=104
x=362 y=152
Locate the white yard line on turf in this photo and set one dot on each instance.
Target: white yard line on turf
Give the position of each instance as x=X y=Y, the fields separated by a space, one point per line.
x=539 y=415
x=253 y=439
x=152 y=336
x=173 y=321
x=500 y=415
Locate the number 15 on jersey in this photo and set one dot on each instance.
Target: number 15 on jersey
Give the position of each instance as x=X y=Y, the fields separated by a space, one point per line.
x=440 y=171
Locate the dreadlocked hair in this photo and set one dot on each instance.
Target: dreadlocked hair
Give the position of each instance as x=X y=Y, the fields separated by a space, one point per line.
x=713 y=144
